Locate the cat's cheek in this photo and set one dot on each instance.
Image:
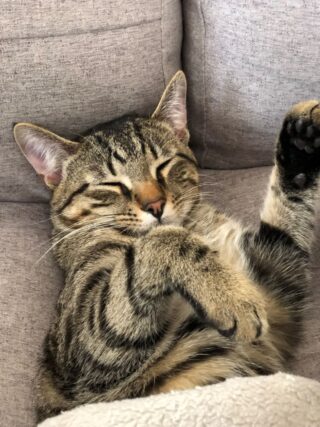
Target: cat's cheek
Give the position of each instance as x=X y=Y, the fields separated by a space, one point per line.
x=170 y=215
x=169 y=211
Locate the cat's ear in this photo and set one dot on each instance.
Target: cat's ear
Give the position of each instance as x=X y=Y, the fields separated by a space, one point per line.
x=172 y=106
x=44 y=150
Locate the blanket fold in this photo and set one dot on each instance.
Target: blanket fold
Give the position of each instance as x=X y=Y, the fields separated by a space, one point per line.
x=279 y=400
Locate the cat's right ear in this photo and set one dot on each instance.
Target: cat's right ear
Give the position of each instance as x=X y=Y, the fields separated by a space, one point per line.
x=172 y=106
x=44 y=150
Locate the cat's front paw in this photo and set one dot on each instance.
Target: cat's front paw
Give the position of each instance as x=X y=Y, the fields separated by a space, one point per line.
x=298 y=150
x=244 y=319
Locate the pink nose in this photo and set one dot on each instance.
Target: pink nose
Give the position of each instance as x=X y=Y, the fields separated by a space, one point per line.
x=155 y=208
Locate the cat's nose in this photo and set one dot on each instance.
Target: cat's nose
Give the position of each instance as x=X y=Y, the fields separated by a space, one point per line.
x=155 y=208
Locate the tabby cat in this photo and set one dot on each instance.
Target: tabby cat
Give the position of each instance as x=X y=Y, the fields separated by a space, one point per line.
x=162 y=291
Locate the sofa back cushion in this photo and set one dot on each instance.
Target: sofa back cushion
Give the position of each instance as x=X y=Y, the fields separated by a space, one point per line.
x=72 y=64
x=247 y=61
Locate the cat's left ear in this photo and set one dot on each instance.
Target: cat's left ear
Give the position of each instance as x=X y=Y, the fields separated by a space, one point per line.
x=44 y=150
x=172 y=106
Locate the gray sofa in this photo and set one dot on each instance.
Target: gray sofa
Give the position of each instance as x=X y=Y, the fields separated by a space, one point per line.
x=70 y=64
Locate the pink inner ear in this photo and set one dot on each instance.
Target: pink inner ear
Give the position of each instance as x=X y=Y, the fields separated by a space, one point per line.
x=178 y=117
x=54 y=178
x=181 y=116
x=181 y=133
x=41 y=167
x=39 y=163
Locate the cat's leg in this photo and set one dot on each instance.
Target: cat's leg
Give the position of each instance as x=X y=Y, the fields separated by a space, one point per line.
x=277 y=255
x=282 y=244
x=290 y=202
x=171 y=260
x=287 y=219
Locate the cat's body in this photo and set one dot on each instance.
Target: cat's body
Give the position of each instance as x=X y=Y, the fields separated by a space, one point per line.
x=150 y=307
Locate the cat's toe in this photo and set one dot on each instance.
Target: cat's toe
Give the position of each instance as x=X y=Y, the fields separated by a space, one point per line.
x=310 y=131
x=300 y=180
x=247 y=323
x=299 y=143
x=253 y=325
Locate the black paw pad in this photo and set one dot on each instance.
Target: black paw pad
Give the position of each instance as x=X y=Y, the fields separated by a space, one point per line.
x=301 y=126
x=303 y=133
x=300 y=180
x=298 y=152
x=299 y=143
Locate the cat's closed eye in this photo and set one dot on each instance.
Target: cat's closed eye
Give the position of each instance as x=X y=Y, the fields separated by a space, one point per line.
x=124 y=189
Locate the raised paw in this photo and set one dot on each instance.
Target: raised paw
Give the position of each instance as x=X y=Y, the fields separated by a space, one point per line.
x=298 y=150
x=243 y=319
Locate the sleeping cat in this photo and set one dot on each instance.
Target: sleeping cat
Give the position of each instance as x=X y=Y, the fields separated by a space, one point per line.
x=162 y=291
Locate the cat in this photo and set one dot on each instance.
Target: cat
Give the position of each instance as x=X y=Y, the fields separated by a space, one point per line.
x=162 y=291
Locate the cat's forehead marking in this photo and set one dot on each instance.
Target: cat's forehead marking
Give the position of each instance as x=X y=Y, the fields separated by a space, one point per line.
x=131 y=138
x=89 y=177
x=126 y=181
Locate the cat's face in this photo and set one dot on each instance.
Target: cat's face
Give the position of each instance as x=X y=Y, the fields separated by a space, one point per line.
x=133 y=173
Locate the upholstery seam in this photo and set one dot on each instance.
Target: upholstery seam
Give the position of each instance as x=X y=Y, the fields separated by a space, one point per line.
x=79 y=33
x=26 y=202
x=204 y=144
x=162 y=54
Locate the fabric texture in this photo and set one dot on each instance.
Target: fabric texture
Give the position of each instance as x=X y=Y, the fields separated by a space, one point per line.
x=246 y=63
x=29 y=290
x=279 y=400
x=30 y=286
x=70 y=65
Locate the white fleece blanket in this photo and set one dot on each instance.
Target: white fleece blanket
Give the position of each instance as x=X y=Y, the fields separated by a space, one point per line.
x=279 y=400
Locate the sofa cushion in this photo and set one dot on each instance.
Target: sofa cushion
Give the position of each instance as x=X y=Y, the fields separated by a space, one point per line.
x=69 y=65
x=29 y=287
x=29 y=290
x=246 y=63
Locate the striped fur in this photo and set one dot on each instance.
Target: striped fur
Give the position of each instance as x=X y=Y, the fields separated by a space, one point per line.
x=149 y=307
